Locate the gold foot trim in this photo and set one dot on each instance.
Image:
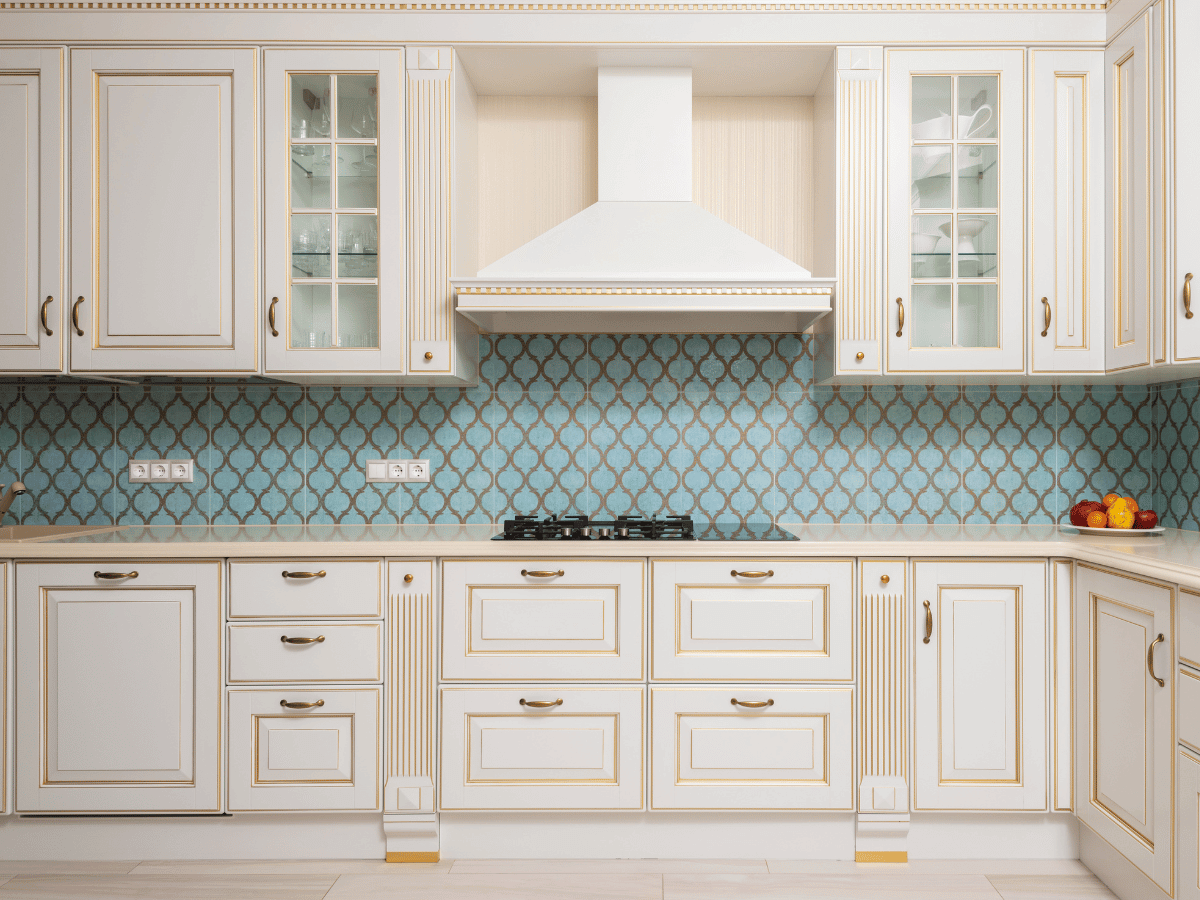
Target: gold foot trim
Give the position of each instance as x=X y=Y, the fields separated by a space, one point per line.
x=428 y=856
x=875 y=856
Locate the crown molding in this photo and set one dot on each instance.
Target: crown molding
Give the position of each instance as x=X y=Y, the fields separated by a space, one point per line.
x=839 y=6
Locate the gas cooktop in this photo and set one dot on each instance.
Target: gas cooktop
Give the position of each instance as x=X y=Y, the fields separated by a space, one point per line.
x=636 y=528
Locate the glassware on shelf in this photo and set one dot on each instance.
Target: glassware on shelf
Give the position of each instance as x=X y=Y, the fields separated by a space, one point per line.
x=357 y=97
x=310 y=176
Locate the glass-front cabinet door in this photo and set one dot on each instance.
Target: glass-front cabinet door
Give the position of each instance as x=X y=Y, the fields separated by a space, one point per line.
x=956 y=216
x=335 y=211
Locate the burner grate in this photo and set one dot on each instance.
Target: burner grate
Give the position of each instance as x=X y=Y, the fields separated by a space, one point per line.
x=582 y=528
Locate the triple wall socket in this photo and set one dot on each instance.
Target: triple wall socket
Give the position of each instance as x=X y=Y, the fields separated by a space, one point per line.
x=163 y=471
x=397 y=470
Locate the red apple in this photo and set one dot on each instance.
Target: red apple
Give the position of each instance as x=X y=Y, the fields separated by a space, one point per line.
x=1145 y=518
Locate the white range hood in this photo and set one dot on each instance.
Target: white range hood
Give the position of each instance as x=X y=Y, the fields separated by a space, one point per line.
x=644 y=258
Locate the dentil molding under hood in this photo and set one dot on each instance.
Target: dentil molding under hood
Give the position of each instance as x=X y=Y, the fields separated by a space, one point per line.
x=644 y=257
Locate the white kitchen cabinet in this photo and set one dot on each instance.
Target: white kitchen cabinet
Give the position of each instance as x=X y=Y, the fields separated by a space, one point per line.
x=520 y=619
x=315 y=587
x=306 y=652
x=1188 y=791
x=755 y=619
x=955 y=210
x=335 y=216
x=980 y=684
x=31 y=210
x=752 y=748
x=164 y=211
x=1066 y=237
x=119 y=687
x=1183 y=115
x=1125 y=741
x=6 y=686
x=304 y=749
x=542 y=747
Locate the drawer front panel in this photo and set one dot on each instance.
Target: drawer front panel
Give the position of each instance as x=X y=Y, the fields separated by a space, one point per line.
x=1189 y=708
x=512 y=619
x=1189 y=628
x=752 y=620
x=585 y=753
x=883 y=577
x=323 y=757
x=259 y=589
x=337 y=652
x=708 y=752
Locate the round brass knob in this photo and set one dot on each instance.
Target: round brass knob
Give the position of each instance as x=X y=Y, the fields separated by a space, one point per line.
x=860 y=356
x=428 y=355
x=408 y=579
x=884 y=579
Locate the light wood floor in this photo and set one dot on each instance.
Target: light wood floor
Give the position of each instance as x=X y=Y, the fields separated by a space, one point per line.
x=545 y=879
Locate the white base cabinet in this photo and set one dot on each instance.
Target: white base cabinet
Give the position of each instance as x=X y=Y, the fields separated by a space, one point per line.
x=119 y=696
x=1188 y=878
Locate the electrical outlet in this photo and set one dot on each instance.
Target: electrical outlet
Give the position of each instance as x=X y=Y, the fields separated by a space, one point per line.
x=418 y=470
x=387 y=470
x=181 y=471
x=397 y=471
x=139 y=471
x=169 y=471
x=159 y=470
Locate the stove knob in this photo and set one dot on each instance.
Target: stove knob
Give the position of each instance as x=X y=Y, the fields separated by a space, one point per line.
x=604 y=532
x=623 y=532
x=566 y=531
x=585 y=531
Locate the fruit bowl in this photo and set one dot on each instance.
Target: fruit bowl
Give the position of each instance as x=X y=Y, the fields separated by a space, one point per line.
x=1116 y=532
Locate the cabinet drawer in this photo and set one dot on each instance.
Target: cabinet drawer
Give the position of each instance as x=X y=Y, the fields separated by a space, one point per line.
x=1189 y=628
x=751 y=620
x=323 y=757
x=582 y=753
x=708 y=752
x=337 y=652
x=882 y=577
x=1189 y=708
x=520 y=620
x=259 y=589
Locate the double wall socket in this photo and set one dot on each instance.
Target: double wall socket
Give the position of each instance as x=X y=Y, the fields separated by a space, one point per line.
x=163 y=471
x=397 y=470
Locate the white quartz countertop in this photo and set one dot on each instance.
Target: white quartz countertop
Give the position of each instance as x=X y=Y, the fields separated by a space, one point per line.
x=1172 y=556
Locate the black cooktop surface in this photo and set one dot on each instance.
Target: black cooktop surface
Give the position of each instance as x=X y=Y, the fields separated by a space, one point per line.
x=636 y=528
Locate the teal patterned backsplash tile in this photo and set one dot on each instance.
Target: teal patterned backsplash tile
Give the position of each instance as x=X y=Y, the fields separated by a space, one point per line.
x=732 y=428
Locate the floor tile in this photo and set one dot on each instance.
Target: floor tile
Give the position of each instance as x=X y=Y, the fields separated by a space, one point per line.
x=1049 y=887
x=166 y=887
x=935 y=866
x=65 y=867
x=287 y=867
x=605 y=866
x=499 y=887
x=866 y=886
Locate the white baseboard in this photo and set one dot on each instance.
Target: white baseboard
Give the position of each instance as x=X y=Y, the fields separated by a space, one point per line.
x=1122 y=877
x=993 y=836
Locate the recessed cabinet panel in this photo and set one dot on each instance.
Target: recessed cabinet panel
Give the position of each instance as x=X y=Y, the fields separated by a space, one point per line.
x=758 y=619
x=1189 y=708
x=1183 y=288
x=123 y=702
x=752 y=748
x=1188 y=878
x=155 y=132
x=31 y=197
x=980 y=685
x=520 y=619
x=542 y=748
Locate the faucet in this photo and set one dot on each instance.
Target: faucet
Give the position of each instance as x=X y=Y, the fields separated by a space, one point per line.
x=15 y=490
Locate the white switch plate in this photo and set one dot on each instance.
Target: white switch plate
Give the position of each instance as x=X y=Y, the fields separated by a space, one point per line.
x=161 y=471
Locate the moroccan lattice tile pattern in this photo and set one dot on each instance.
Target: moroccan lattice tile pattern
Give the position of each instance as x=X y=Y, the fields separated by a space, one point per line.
x=731 y=428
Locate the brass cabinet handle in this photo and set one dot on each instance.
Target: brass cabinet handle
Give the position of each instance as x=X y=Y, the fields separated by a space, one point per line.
x=751 y=704
x=45 y=324
x=114 y=576
x=1046 y=329
x=319 y=639
x=299 y=704
x=428 y=355
x=884 y=579
x=287 y=574
x=408 y=579
x=271 y=317
x=767 y=574
x=928 y=622
x=75 y=316
x=541 y=704
x=542 y=573
x=900 y=318
x=1150 y=660
x=1187 y=296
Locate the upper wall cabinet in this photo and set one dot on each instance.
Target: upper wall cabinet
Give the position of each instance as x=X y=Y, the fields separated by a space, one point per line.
x=955 y=211
x=164 y=222
x=31 y=209
x=334 y=211
x=1182 y=18
x=1066 y=237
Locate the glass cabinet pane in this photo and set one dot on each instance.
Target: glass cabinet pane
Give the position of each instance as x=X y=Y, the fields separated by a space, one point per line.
x=977 y=246
x=931 y=184
x=358 y=315
x=932 y=325
x=311 y=311
x=978 y=316
x=978 y=107
x=978 y=176
x=310 y=176
x=932 y=250
x=931 y=105
x=357 y=100
x=310 y=106
x=358 y=178
x=310 y=246
x=358 y=247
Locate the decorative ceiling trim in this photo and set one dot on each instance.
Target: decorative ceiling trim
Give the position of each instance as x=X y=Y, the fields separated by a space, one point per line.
x=867 y=6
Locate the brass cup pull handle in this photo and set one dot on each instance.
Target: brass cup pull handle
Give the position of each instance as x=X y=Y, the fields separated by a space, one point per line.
x=541 y=704
x=1187 y=296
x=752 y=704
x=767 y=574
x=1150 y=660
x=900 y=317
x=1046 y=329
x=319 y=639
x=75 y=316
x=114 y=576
x=542 y=573
x=271 y=317
x=45 y=325
x=300 y=704
x=928 y=622
x=287 y=574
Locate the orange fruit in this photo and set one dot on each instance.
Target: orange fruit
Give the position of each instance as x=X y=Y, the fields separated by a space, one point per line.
x=1097 y=519
x=1109 y=500
x=1132 y=504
